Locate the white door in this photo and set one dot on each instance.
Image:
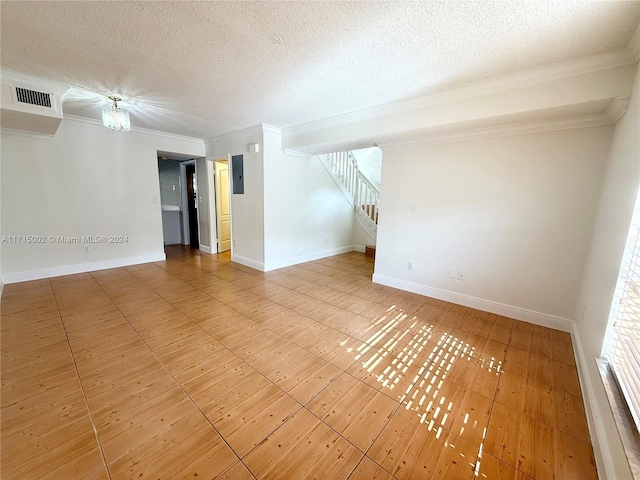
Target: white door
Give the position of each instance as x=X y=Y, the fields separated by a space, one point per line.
x=223 y=210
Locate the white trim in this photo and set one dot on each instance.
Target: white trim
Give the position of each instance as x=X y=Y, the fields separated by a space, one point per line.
x=236 y=133
x=618 y=108
x=25 y=133
x=204 y=248
x=81 y=268
x=92 y=122
x=582 y=121
x=555 y=71
x=539 y=318
x=295 y=153
x=271 y=128
x=602 y=451
x=634 y=45
x=247 y=262
x=287 y=262
x=213 y=223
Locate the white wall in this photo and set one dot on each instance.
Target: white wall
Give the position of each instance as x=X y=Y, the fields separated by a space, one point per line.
x=615 y=210
x=247 y=210
x=170 y=188
x=514 y=213
x=290 y=205
x=306 y=215
x=87 y=180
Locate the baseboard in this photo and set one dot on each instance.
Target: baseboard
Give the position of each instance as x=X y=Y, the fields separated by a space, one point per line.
x=204 y=248
x=81 y=268
x=247 y=262
x=287 y=262
x=543 y=319
x=604 y=461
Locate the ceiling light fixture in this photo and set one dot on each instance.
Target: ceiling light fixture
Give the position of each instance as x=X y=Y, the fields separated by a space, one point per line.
x=115 y=117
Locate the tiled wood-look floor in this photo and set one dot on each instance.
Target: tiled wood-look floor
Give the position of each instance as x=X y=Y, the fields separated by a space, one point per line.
x=200 y=368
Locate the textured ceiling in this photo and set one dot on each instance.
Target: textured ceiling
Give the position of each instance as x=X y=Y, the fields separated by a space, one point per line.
x=207 y=68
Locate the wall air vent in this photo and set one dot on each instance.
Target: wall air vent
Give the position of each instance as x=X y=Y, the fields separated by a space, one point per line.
x=27 y=109
x=34 y=98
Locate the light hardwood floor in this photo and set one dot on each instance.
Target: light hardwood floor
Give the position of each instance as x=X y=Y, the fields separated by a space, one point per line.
x=198 y=367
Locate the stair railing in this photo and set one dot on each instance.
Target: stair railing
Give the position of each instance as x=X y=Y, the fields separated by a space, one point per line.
x=366 y=196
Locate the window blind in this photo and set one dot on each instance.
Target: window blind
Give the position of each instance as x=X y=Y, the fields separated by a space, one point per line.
x=624 y=325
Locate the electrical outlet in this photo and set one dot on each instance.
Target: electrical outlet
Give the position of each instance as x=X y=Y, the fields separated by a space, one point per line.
x=409 y=265
x=461 y=275
x=453 y=273
x=326 y=239
x=414 y=209
x=235 y=243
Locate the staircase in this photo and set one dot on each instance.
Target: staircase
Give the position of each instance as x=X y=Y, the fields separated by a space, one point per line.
x=361 y=194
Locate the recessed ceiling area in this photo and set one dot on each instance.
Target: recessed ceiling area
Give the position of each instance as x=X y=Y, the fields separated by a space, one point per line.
x=204 y=69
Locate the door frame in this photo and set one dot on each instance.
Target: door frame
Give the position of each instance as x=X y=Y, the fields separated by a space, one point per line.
x=186 y=230
x=213 y=211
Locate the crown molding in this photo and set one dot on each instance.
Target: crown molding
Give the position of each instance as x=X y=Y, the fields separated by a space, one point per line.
x=172 y=136
x=244 y=131
x=546 y=73
x=92 y=122
x=83 y=121
x=25 y=134
x=297 y=154
x=618 y=108
x=271 y=128
x=581 y=121
x=633 y=47
x=236 y=133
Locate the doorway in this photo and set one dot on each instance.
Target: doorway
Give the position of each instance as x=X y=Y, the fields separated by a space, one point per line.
x=189 y=178
x=223 y=205
x=192 y=210
x=192 y=205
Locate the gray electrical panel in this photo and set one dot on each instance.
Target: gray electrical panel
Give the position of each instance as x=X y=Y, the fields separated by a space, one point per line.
x=238 y=174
